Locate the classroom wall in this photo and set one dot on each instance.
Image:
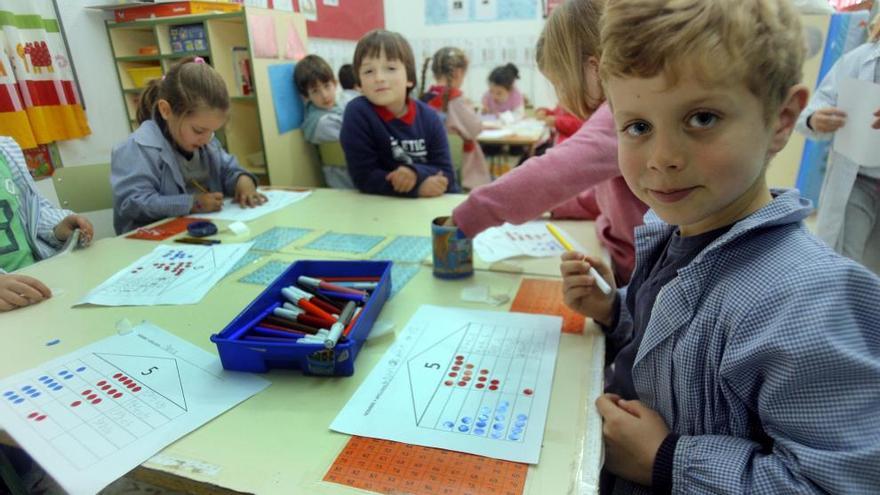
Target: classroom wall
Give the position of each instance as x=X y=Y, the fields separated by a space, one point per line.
x=92 y=57
x=408 y=18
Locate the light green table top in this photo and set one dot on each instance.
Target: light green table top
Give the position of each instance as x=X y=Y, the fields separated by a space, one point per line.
x=278 y=441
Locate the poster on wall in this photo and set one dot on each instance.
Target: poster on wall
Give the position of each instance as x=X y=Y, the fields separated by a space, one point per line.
x=309 y=9
x=486 y=10
x=262 y=32
x=285 y=5
x=459 y=11
x=347 y=19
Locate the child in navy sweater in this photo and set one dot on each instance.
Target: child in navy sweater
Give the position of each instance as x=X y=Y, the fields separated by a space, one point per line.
x=393 y=144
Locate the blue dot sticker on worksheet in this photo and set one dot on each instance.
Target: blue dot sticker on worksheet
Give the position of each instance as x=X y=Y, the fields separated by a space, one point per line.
x=345 y=243
x=266 y=274
x=278 y=237
x=406 y=248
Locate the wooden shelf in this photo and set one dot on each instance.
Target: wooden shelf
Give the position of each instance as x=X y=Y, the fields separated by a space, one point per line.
x=181 y=19
x=251 y=132
x=167 y=56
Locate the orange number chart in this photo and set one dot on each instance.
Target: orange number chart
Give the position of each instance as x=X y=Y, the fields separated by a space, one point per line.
x=384 y=466
x=545 y=297
x=464 y=380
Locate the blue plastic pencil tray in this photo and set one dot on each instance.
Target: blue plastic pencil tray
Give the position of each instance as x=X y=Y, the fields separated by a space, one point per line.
x=312 y=359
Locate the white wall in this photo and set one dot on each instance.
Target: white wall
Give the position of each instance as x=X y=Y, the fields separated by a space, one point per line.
x=488 y=45
x=93 y=59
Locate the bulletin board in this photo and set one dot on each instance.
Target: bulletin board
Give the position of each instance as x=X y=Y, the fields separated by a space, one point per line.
x=345 y=19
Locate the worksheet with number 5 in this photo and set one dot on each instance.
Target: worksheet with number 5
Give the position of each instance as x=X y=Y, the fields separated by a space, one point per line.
x=464 y=380
x=91 y=416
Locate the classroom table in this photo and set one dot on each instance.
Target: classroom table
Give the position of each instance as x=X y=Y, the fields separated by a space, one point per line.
x=525 y=132
x=525 y=135
x=278 y=441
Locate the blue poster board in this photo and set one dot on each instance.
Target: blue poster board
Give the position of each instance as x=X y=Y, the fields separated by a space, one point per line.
x=287 y=102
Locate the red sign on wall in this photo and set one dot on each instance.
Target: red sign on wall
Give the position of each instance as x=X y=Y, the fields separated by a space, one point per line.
x=345 y=19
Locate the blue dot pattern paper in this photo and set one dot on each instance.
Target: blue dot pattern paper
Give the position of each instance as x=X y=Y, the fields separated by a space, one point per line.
x=277 y=237
x=406 y=249
x=345 y=243
x=267 y=273
x=248 y=258
x=401 y=274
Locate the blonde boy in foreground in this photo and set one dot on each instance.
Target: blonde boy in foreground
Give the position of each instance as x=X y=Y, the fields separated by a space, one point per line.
x=746 y=353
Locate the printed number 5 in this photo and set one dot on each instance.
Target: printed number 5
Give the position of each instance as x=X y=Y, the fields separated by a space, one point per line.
x=436 y=366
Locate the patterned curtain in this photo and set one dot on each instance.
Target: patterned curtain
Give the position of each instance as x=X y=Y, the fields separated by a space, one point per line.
x=39 y=102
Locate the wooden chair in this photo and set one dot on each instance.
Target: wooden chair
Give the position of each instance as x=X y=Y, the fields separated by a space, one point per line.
x=333 y=166
x=456 y=153
x=84 y=188
x=331 y=154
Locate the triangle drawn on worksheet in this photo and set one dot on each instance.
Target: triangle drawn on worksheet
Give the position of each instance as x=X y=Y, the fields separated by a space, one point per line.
x=159 y=374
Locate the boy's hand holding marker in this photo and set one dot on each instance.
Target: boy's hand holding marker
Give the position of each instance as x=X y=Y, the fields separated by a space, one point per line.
x=584 y=287
x=581 y=289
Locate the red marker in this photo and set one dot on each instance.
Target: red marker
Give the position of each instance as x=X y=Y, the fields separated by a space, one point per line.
x=294 y=293
x=352 y=323
x=307 y=305
x=298 y=315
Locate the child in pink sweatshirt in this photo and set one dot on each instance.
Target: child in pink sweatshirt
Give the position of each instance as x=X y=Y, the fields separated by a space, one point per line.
x=580 y=177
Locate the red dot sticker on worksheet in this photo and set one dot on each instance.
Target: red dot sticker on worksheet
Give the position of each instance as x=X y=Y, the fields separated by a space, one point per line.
x=383 y=466
x=537 y=296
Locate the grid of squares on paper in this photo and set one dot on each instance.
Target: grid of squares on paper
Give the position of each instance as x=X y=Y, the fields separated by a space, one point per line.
x=405 y=249
x=266 y=274
x=392 y=467
x=278 y=237
x=401 y=274
x=345 y=243
x=248 y=258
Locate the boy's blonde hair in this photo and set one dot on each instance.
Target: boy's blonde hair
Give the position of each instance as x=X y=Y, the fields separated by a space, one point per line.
x=569 y=38
x=759 y=42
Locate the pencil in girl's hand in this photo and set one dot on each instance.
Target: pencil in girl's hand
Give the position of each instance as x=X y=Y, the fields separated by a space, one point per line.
x=600 y=282
x=199 y=186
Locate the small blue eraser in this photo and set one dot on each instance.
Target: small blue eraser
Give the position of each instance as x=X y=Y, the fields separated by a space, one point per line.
x=201 y=229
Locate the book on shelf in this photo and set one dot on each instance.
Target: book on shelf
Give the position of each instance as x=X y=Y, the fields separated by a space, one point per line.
x=241 y=65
